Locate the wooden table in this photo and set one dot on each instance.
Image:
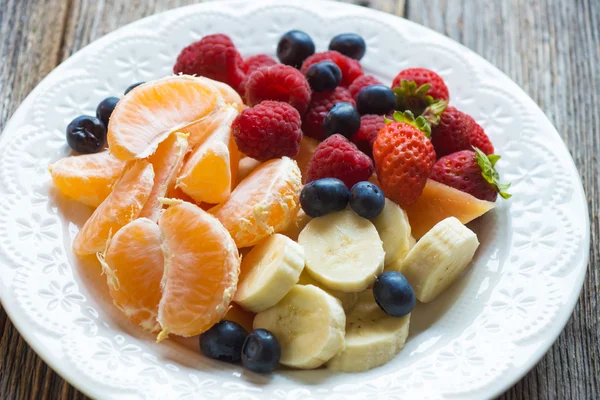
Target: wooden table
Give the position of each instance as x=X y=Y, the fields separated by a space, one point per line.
x=549 y=47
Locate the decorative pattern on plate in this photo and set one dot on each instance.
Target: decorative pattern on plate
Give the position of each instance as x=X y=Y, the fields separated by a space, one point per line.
x=521 y=289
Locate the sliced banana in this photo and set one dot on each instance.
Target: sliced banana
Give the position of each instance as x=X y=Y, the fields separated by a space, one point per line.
x=293 y=231
x=309 y=325
x=439 y=258
x=347 y=299
x=394 y=230
x=372 y=337
x=268 y=272
x=343 y=251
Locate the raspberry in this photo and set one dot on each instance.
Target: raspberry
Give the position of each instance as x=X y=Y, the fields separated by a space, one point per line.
x=312 y=122
x=404 y=158
x=457 y=131
x=268 y=130
x=280 y=83
x=336 y=157
x=370 y=125
x=360 y=83
x=422 y=76
x=351 y=69
x=215 y=57
x=254 y=63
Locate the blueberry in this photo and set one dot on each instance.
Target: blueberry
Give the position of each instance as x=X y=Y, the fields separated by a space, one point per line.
x=324 y=76
x=261 y=351
x=224 y=341
x=343 y=119
x=294 y=47
x=130 y=88
x=375 y=99
x=323 y=196
x=105 y=109
x=86 y=134
x=349 y=44
x=393 y=294
x=366 y=199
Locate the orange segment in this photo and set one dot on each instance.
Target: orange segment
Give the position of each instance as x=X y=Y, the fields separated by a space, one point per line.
x=229 y=94
x=87 y=178
x=439 y=202
x=133 y=264
x=202 y=266
x=264 y=203
x=307 y=149
x=122 y=206
x=245 y=168
x=147 y=115
x=166 y=160
x=240 y=316
x=209 y=173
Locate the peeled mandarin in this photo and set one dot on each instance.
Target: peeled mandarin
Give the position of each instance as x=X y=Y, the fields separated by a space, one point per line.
x=307 y=149
x=209 y=173
x=202 y=267
x=264 y=203
x=245 y=168
x=87 y=178
x=133 y=265
x=147 y=115
x=122 y=206
x=166 y=160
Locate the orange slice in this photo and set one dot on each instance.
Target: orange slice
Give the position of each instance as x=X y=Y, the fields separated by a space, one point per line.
x=229 y=94
x=210 y=171
x=438 y=202
x=122 y=206
x=245 y=168
x=133 y=264
x=307 y=149
x=147 y=115
x=166 y=160
x=87 y=178
x=264 y=203
x=202 y=266
x=240 y=316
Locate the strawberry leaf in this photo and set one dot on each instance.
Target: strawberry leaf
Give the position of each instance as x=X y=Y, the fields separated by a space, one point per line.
x=489 y=173
x=409 y=118
x=411 y=97
x=433 y=113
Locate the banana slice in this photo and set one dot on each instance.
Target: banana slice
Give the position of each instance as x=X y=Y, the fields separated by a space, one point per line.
x=347 y=299
x=372 y=337
x=293 y=231
x=309 y=325
x=439 y=258
x=394 y=230
x=343 y=251
x=268 y=272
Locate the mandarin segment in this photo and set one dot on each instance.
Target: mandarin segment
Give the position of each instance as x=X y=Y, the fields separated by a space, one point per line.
x=122 y=206
x=264 y=203
x=87 y=178
x=209 y=173
x=166 y=160
x=245 y=168
x=146 y=116
x=202 y=266
x=308 y=146
x=133 y=265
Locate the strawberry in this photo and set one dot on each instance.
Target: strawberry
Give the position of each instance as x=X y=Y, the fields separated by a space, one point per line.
x=418 y=88
x=403 y=158
x=471 y=172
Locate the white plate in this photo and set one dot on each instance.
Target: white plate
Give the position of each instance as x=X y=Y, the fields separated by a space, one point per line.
x=473 y=342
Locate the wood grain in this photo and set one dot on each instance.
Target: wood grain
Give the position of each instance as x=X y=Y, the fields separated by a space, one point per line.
x=549 y=47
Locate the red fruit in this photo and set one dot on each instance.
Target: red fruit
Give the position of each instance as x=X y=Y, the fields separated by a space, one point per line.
x=422 y=76
x=280 y=83
x=256 y=62
x=215 y=57
x=403 y=160
x=471 y=172
x=336 y=157
x=362 y=82
x=370 y=125
x=457 y=131
x=351 y=69
x=312 y=122
x=268 y=130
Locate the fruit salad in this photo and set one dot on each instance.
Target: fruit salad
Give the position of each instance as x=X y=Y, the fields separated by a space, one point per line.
x=286 y=211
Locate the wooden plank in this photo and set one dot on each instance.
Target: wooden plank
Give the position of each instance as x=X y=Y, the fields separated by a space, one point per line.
x=549 y=47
